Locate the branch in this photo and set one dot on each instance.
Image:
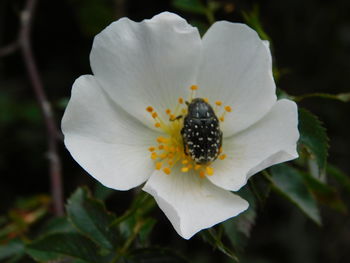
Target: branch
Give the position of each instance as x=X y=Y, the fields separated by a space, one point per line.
x=53 y=135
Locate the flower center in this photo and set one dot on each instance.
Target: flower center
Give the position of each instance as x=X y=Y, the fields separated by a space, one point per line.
x=192 y=138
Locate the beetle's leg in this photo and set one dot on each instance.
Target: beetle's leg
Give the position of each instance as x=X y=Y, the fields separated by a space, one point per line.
x=176 y=118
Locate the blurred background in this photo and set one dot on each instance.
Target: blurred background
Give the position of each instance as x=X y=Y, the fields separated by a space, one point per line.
x=310 y=41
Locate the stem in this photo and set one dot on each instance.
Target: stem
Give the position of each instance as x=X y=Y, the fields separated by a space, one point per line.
x=23 y=43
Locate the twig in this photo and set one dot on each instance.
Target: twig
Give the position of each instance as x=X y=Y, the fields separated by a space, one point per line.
x=23 y=43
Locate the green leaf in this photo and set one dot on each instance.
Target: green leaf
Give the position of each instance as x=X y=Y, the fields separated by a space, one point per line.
x=289 y=182
x=192 y=6
x=238 y=229
x=324 y=193
x=91 y=218
x=214 y=238
x=63 y=246
x=58 y=225
x=146 y=229
x=314 y=138
x=252 y=19
x=344 y=97
x=15 y=248
x=102 y=192
x=93 y=15
x=154 y=255
x=340 y=176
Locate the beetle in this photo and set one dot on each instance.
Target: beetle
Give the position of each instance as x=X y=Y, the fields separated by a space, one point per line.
x=201 y=134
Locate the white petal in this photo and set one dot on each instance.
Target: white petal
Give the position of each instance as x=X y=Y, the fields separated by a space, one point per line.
x=105 y=140
x=237 y=69
x=271 y=140
x=191 y=203
x=151 y=63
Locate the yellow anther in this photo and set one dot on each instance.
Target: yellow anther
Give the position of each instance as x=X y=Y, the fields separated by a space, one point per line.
x=167 y=170
x=209 y=170
x=166 y=148
x=154 y=156
x=167 y=111
x=172 y=117
x=157 y=125
x=151 y=149
x=170 y=155
x=159 y=165
x=220 y=150
x=197 y=167
x=222 y=157
x=202 y=174
x=206 y=100
x=149 y=109
x=170 y=162
x=163 y=155
x=161 y=147
x=154 y=115
x=228 y=108
x=194 y=87
x=222 y=118
x=218 y=103
x=181 y=100
x=172 y=149
x=183 y=111
x=190 y=166
x=178 y=149
x=184 y=169
x=184 y=162
x=161 y=139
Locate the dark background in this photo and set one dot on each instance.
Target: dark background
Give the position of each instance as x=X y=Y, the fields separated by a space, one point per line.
x=311 y=45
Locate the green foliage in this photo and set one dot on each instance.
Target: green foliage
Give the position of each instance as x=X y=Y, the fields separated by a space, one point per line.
x=93 y=15
x=154 y=255
x=91 y=218
x=341 y=177
x=314 y=138
x=289 y=182
x=324 y=193
x=13 y=249
x=343 y=97
x=192 y=6
x=252 y=18
x=65 y=245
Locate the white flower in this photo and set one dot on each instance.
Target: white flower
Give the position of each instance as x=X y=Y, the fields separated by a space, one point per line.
x=123 y=123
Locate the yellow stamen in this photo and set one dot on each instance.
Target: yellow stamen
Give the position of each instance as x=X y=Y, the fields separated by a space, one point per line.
x=218 y=103
x=161 y=139
x=194 y=87
x=209 y=170
x=161 y=147
x=167 y=111
x=206 y=100
x=228 y=108
x=167 y=170
x=197 y=167
x=149 y=109
x=181 y=100
x=157 y=125
x=151 y=149
x=159 y=165
x=222 y=157
x=201 y=174
x=154 y=156
x=185 y=161
x=154 y=115
x=222 y=118
x=184 y=169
